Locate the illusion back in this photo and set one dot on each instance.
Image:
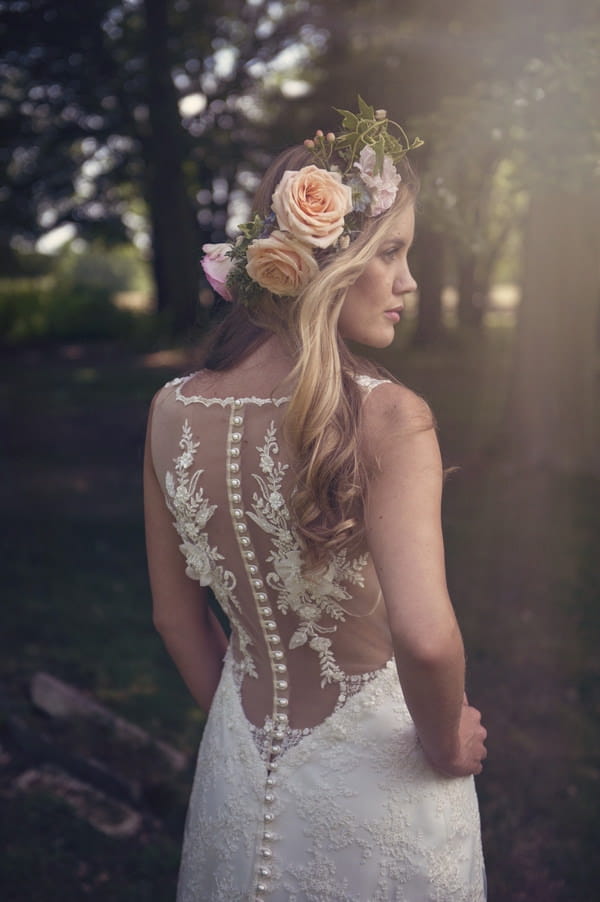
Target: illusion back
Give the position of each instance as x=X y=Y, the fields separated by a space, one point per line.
x=301 y=645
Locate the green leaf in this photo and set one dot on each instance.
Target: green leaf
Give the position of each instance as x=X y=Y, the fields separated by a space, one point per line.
x=366 y=111
x=349 y=120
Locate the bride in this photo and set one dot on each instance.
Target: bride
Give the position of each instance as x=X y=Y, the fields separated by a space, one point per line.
x=302 y=487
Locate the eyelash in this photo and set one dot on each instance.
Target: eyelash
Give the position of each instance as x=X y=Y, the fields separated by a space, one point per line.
x=393 y=252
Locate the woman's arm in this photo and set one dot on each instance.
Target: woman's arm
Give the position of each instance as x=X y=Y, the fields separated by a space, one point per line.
x=403 y=521
x=182 y=616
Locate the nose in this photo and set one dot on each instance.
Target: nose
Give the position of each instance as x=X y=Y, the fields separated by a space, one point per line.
x=404 y=282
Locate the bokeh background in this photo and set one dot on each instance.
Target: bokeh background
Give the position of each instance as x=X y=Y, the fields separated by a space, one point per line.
x=133 y=131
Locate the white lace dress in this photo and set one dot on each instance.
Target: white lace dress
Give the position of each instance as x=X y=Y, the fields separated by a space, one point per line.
x=310 y=783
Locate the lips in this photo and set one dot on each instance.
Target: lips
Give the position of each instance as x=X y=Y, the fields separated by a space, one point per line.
x=394 y=314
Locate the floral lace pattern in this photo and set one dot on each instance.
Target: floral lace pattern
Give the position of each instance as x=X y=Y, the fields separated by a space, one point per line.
x=356 y=814
x=347 y=810
x=316 y=596
x=192 y=511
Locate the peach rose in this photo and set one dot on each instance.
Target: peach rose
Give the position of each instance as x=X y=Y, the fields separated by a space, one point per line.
x=217 y=265
x=311 y=203
x=281 y=264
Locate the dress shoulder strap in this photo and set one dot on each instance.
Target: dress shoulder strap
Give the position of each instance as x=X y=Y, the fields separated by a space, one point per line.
x=368 y=383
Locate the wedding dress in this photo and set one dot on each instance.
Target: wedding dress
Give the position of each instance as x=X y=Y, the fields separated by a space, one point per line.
x=310 y=782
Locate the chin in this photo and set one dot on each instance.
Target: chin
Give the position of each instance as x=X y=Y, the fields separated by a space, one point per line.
x=373 y=339
x=377 y=341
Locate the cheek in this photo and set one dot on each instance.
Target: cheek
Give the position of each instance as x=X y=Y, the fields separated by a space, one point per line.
x=352 y=312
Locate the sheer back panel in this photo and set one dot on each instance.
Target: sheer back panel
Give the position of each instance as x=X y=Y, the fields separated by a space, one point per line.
x=301 y=644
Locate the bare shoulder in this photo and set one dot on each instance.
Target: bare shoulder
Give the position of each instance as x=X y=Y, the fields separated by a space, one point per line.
x=392 y=407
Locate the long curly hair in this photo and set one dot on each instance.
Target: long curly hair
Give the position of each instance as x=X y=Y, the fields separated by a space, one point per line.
x=322 y=421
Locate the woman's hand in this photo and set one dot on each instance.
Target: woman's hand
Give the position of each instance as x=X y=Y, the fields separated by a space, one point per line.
x=470 y=751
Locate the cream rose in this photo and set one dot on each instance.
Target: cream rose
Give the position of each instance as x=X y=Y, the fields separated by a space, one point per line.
x=311 y=203
x=281 y=264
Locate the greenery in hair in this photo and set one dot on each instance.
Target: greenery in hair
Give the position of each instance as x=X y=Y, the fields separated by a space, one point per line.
x=361 y=160
x=245 y=288
x=367 y=128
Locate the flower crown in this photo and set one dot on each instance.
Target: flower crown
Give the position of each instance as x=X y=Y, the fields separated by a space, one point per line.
x=315 y=210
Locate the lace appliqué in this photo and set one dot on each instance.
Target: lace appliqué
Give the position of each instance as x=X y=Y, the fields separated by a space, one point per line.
x=312 y=597
x=192 y=511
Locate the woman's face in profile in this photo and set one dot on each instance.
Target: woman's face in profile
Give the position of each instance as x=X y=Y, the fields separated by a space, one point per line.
x=375 y=302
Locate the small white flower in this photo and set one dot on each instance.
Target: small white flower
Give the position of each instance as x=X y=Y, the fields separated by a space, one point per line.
x=186 y=460
x=276 y=500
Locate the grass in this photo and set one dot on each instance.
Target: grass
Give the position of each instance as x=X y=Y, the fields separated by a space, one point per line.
x=522 y=553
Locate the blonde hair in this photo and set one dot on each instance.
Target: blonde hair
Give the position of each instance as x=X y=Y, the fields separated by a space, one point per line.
x=321 y=422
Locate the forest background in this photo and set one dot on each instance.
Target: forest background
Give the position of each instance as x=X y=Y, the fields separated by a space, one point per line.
x=134 y=131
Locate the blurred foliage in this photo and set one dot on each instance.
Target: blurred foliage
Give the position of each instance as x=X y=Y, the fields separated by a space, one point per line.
x=75 y=298
x=155 y=117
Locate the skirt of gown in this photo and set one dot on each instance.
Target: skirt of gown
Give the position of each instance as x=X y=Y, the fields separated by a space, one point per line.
x=352 y=812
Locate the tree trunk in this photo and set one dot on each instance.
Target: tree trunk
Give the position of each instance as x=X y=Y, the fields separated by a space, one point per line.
x=430 y=276
x=553 y=415
x=472 y=295
x=174 y=229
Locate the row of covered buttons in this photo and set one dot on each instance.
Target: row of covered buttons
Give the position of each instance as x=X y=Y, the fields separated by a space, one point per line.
x=280 y=721
x=264 y=871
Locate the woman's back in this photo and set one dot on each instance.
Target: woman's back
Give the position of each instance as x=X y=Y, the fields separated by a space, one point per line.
x=301 y=644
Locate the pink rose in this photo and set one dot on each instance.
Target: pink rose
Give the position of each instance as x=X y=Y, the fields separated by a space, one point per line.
x=383 y=187
x=217 y=266
x=281 y=264
x=311 y=203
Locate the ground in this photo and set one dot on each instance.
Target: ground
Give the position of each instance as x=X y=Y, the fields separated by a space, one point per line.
x=524 y=574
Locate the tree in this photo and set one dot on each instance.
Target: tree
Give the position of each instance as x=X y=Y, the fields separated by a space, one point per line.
x=471 y=189
x=92 y=125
